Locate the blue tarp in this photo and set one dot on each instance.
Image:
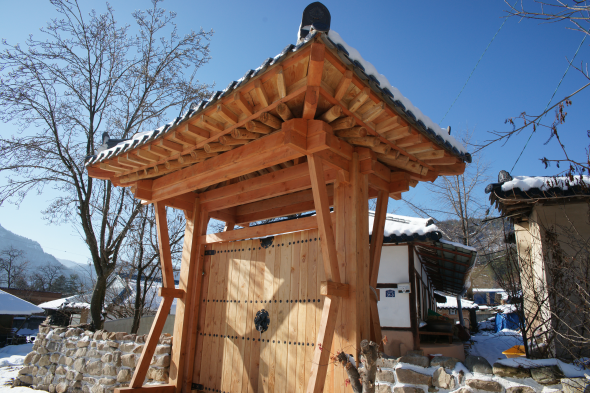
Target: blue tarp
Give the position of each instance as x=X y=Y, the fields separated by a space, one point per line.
x=507 y=321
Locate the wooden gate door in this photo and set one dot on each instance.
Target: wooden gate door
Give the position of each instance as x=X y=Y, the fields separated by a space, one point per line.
x=281 y=276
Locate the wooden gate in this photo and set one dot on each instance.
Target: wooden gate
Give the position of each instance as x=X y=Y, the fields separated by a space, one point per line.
x=241 y=278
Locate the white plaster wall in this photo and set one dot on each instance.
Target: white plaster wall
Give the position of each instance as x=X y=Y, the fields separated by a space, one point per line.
x=394 y=311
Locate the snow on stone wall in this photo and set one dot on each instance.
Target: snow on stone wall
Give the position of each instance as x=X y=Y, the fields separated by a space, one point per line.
x=78 y=361
x=415 y=373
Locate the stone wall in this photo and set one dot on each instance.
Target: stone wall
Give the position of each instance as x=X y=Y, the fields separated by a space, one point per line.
x=74 y=360
x=415 y=373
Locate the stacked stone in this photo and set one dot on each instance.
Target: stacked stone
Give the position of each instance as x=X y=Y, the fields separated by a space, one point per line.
x=78 y=361
x=424 y=374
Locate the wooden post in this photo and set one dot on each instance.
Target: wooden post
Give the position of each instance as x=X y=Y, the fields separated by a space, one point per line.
x=188 y=282
x=361 y=197
x=413 y=312
x=375 y=253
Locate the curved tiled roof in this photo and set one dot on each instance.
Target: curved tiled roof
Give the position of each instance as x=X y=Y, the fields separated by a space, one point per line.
x=363 y=69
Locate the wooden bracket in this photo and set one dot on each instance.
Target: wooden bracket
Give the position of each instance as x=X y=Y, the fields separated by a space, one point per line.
x=329 y=288
x=171 y=292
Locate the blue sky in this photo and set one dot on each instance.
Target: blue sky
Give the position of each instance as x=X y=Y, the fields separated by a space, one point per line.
x=426 y=49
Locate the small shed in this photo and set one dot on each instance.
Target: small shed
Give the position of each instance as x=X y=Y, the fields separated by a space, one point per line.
x=551 y=232
x=450 y=309
x=72 y=310
x=11 y=306
x=313 y=127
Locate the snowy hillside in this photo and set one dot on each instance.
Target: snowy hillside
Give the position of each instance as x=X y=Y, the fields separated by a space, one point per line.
x=34 y=253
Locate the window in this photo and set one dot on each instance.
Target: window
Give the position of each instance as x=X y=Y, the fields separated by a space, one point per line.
x=452 y=311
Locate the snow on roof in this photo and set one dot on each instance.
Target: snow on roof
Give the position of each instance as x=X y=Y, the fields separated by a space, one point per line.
x=369 y=69
x=12 y=305
x=452 y=303
x=460 y=245
x=440 y=135
x=66 y=302
x=525 y=183
x=399 y=225
x=497 y=290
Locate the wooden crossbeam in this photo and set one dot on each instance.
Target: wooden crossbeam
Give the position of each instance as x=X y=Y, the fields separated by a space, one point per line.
x=274 y=228
x=293 y=203
x=271 y=185
x=171 y=292
x=325 y=227
x=329 y=288
x=256 y=155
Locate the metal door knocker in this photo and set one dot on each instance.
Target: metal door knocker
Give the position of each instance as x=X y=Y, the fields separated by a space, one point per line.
x=261 y=321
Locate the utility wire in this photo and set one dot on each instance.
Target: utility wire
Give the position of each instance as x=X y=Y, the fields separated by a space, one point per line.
x=551 y=99
x=472 y=71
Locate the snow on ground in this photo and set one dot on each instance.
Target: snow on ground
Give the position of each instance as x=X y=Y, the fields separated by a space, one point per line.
x=491 y=345
x=13 y=355
x=11 y=360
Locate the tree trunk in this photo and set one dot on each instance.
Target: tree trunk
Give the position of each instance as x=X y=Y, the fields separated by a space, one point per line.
x=97 y=301
x=138 y=308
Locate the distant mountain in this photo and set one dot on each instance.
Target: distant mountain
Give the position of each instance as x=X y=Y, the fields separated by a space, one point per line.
x=33 y=252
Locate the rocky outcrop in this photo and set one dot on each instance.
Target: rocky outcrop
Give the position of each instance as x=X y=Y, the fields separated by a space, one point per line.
x=73 y=360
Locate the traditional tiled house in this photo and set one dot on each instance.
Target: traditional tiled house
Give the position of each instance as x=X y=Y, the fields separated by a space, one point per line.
x=551 y=232
x=416 y=262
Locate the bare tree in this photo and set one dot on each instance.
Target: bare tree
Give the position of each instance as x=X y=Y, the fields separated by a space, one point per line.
x=576 y=16
x=458 y=209
x=87 y=75
x=12 y=266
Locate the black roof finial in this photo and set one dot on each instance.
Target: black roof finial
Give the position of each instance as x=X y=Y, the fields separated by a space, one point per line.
x=316 y=16
x=503 y=177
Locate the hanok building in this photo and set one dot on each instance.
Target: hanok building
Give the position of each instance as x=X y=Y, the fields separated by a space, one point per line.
x=551 y=232
x=313 y=127
x=416 y=266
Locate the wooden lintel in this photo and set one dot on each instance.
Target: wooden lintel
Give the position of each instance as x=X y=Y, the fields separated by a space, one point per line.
x=274 y=228
x=171 y=292
x=293 y=203
x=273 y=184
x=336 y=289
